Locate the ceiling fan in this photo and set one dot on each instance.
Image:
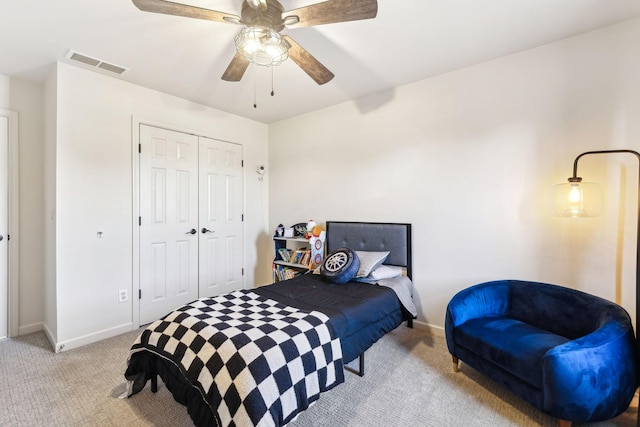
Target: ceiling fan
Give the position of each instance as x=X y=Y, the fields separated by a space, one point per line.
x=260 y=41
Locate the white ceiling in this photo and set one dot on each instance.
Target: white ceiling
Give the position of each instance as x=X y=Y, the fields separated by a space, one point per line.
x=409 y=40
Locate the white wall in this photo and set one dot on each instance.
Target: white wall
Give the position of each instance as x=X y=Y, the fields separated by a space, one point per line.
x=5 y=91
x=469 y=159
x=25 y=98
x=93 y=187
x=50 y=314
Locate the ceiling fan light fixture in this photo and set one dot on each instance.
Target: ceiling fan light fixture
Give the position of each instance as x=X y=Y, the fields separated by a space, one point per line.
x=258 y=4
x=260 y=42
x=262 y=46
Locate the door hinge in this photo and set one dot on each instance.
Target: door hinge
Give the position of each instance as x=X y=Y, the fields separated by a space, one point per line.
x=242 y=217
x=139 y=293
x=139 y=220
x=8 y=237
x=243 y=271
x=241 y=163
x=139 y=148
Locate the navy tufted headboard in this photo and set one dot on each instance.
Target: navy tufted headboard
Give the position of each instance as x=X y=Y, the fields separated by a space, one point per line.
x=373 y=236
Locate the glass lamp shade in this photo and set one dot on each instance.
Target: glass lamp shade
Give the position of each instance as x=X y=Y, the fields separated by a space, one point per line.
x=576 y=200
x=262 y=46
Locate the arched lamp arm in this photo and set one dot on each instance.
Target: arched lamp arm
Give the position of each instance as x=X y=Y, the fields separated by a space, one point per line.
x=575 y=176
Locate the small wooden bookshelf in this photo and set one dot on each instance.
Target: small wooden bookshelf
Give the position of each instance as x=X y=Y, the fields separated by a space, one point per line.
x=296 y=255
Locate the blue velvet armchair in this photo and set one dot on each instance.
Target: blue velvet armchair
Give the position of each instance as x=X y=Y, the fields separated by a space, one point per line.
x=570 y=354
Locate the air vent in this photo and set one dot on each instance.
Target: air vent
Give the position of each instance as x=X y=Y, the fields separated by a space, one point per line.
x=84 y=59
x=98 y=63
x=111 y=67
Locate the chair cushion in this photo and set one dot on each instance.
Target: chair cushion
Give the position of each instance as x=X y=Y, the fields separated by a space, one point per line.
x=514 y=346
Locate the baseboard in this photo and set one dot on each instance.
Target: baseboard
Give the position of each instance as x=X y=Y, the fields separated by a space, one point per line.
x=30 y=329
x=437 y=331
x=93 y=337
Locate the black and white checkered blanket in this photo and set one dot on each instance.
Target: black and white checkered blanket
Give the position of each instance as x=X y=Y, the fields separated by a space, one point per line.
x=255 y=361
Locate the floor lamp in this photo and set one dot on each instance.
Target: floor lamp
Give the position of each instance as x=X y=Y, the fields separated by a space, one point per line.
x=582 y=199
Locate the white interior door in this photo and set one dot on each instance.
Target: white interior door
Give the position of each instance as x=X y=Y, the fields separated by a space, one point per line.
x=168 y=221
x=220 y=217
x=4 y=211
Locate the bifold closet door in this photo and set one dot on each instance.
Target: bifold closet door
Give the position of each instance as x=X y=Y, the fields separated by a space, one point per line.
x=4 y=226
x=168 y=221
x=220 y=217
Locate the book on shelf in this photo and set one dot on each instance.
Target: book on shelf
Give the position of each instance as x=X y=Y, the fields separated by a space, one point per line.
x=284 y=273
x=301 y=257
x=285 y=254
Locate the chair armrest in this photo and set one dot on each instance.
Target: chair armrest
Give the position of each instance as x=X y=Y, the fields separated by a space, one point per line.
x=484 y=300
x=592 y=378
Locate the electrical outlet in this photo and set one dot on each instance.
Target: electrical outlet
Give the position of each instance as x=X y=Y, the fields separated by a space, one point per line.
x=122 y=295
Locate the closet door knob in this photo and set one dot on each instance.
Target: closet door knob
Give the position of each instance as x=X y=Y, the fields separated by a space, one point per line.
x=192 y=231
x=205 y=230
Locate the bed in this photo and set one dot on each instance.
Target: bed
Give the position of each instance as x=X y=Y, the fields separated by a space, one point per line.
x=261 y=356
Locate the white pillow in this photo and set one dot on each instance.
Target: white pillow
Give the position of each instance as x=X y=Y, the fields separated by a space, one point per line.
x=369 y=261
x=386 y=272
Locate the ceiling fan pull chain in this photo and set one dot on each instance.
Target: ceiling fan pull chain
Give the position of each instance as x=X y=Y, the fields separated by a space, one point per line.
x=272 y=92
x=255 y=103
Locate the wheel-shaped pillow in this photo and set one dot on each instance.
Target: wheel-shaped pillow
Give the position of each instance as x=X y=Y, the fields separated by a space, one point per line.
x=340 y=266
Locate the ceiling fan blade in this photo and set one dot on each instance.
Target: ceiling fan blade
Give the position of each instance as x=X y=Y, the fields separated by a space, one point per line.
x=308 y=63
x=179 y=9
x=236 y=68
x=331 y=11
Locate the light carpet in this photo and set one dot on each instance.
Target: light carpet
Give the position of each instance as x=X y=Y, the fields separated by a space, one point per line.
x=408 y=382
